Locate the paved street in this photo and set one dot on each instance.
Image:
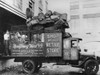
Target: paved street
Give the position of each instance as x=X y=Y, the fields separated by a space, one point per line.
x=46 y=70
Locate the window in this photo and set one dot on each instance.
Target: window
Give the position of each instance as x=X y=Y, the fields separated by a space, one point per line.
x=40 y=10
x=40 y=6
x=35 y=38
x=31 y=5
x=19 y=37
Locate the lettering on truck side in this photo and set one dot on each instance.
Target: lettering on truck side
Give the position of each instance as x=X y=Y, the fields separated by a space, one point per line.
x=20 y=46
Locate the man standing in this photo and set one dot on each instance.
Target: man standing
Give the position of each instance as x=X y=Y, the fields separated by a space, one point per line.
x=6 y=42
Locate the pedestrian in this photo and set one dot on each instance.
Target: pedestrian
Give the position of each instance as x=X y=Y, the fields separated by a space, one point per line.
x=6 y=42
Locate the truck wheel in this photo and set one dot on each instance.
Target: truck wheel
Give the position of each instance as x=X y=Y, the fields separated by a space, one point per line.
x=91 y=67
x=29 y=66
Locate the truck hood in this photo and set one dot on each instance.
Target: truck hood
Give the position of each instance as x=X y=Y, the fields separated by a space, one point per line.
x=91 y=48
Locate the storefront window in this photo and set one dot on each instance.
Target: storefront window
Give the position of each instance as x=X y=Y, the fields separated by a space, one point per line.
x=31 y=5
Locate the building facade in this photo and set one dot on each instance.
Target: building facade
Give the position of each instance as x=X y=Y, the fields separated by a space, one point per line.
x=18 y=7
x=85 y=18
x=13 y=12
x=16 y=10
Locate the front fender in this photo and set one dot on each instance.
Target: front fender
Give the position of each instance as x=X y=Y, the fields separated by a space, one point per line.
x=85 y=58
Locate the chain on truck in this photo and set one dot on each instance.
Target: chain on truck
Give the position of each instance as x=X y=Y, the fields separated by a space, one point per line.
x=44 y=40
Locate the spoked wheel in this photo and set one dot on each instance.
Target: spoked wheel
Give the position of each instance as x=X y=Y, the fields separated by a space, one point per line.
x=91 y=67
x=29 y=66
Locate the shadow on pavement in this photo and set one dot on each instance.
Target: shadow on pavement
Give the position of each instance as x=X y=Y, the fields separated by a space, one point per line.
x=58 y=73
x=75 y=73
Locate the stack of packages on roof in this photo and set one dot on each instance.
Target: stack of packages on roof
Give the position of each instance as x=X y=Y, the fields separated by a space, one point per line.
x=48 y=21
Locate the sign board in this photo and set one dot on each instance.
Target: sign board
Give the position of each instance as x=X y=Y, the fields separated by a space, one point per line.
x=35 y=49
x=53 y=42
x=36 y=45
x=20 y=45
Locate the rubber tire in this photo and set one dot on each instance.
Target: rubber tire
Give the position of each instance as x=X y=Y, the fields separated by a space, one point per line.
x=33 y=64
x=87 y=63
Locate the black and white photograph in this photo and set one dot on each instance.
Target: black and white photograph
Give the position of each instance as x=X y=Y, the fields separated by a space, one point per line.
x=49 y=37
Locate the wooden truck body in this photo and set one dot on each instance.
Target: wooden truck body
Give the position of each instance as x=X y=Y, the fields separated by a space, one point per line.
x=31 y=44
x=33 y=48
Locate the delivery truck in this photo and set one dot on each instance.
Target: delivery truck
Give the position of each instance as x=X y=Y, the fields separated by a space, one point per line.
x=47 y=41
